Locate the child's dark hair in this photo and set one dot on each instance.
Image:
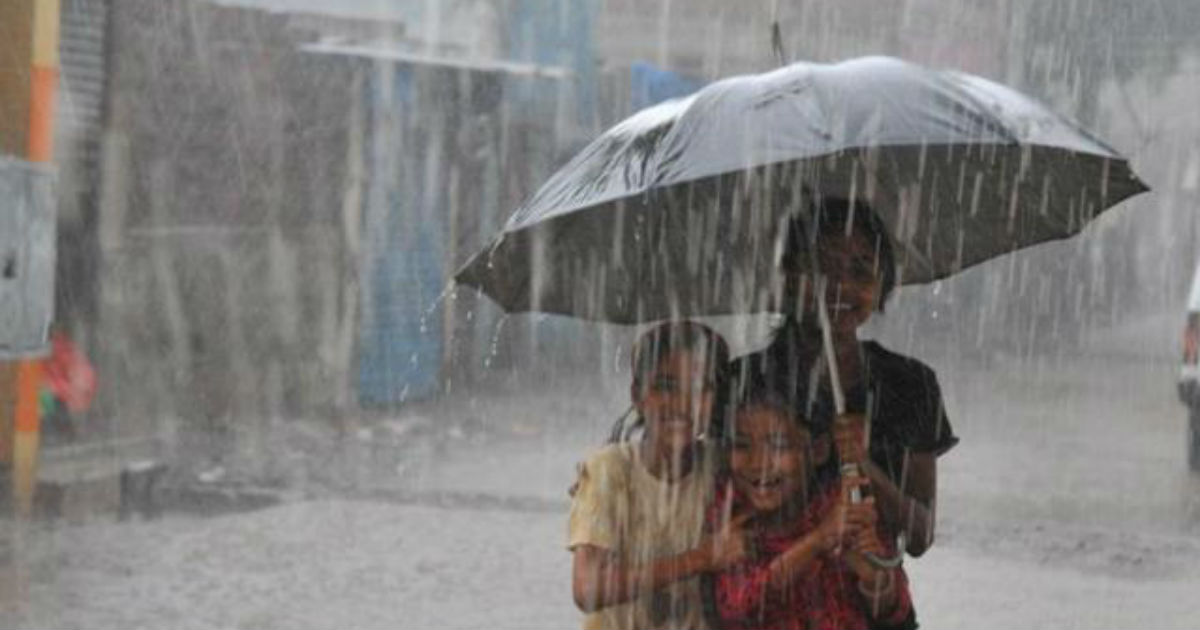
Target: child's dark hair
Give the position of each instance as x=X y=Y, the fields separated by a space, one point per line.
x=761 y=392
x=660 y=342
x=836 y=216
x=668 y=337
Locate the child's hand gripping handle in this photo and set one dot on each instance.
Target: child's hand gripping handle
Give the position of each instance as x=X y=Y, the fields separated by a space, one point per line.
x=850 y=437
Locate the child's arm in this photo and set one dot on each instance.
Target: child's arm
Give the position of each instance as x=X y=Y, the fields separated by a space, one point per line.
x=877 y=586
x=797 y=560
x=884 y=591
x=841 y=522
x=599 y=579
x=759 y=586
x=909 y=510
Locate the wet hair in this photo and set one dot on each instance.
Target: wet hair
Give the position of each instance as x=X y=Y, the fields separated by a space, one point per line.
x=668 y=338
x=660 y=342
x=831 y=215
x=762 y=391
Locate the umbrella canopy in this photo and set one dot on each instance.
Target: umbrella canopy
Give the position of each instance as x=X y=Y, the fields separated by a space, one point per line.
x=677 y=210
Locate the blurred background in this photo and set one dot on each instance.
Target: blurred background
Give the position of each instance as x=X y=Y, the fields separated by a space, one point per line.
x=258 y=206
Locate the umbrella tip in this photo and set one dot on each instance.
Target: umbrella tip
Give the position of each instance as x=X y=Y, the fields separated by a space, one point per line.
x=777 y=43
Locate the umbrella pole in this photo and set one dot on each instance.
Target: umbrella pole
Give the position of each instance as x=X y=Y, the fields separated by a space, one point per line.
x=849 y=469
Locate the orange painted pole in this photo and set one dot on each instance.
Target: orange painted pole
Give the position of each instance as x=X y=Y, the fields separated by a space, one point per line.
x=43 y=88
x=26 y=436
x=43 y=80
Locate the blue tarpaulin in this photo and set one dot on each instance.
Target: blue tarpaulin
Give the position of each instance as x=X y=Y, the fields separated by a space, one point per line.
x=401 y=334
x=651 y=85
x=544 y=78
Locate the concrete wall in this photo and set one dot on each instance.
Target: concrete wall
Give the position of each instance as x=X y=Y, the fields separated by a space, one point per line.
x=714 y=38
x=230 y=233
x=225 y=264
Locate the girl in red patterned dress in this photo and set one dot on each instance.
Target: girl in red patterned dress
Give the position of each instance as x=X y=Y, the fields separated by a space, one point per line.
x=809 y=569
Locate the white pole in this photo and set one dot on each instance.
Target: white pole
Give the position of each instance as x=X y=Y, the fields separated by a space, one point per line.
x=849 y=469
x=835 y=378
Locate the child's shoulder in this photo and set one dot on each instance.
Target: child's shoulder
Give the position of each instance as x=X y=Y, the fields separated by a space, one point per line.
x=614 y=452
x=605 y=468
x=608 y=461
x=895 y=364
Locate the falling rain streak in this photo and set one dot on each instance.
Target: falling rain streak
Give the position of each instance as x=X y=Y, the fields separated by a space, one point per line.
x=344 y=290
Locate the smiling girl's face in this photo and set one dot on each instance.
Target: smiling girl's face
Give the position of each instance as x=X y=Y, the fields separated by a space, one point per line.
x=771 y=458
x=676 y=398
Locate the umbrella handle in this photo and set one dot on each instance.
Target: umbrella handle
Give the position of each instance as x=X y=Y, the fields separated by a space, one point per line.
x=852 y=469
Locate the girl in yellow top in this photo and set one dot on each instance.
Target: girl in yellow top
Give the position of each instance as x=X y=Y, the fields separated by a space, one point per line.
x=637 y=515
